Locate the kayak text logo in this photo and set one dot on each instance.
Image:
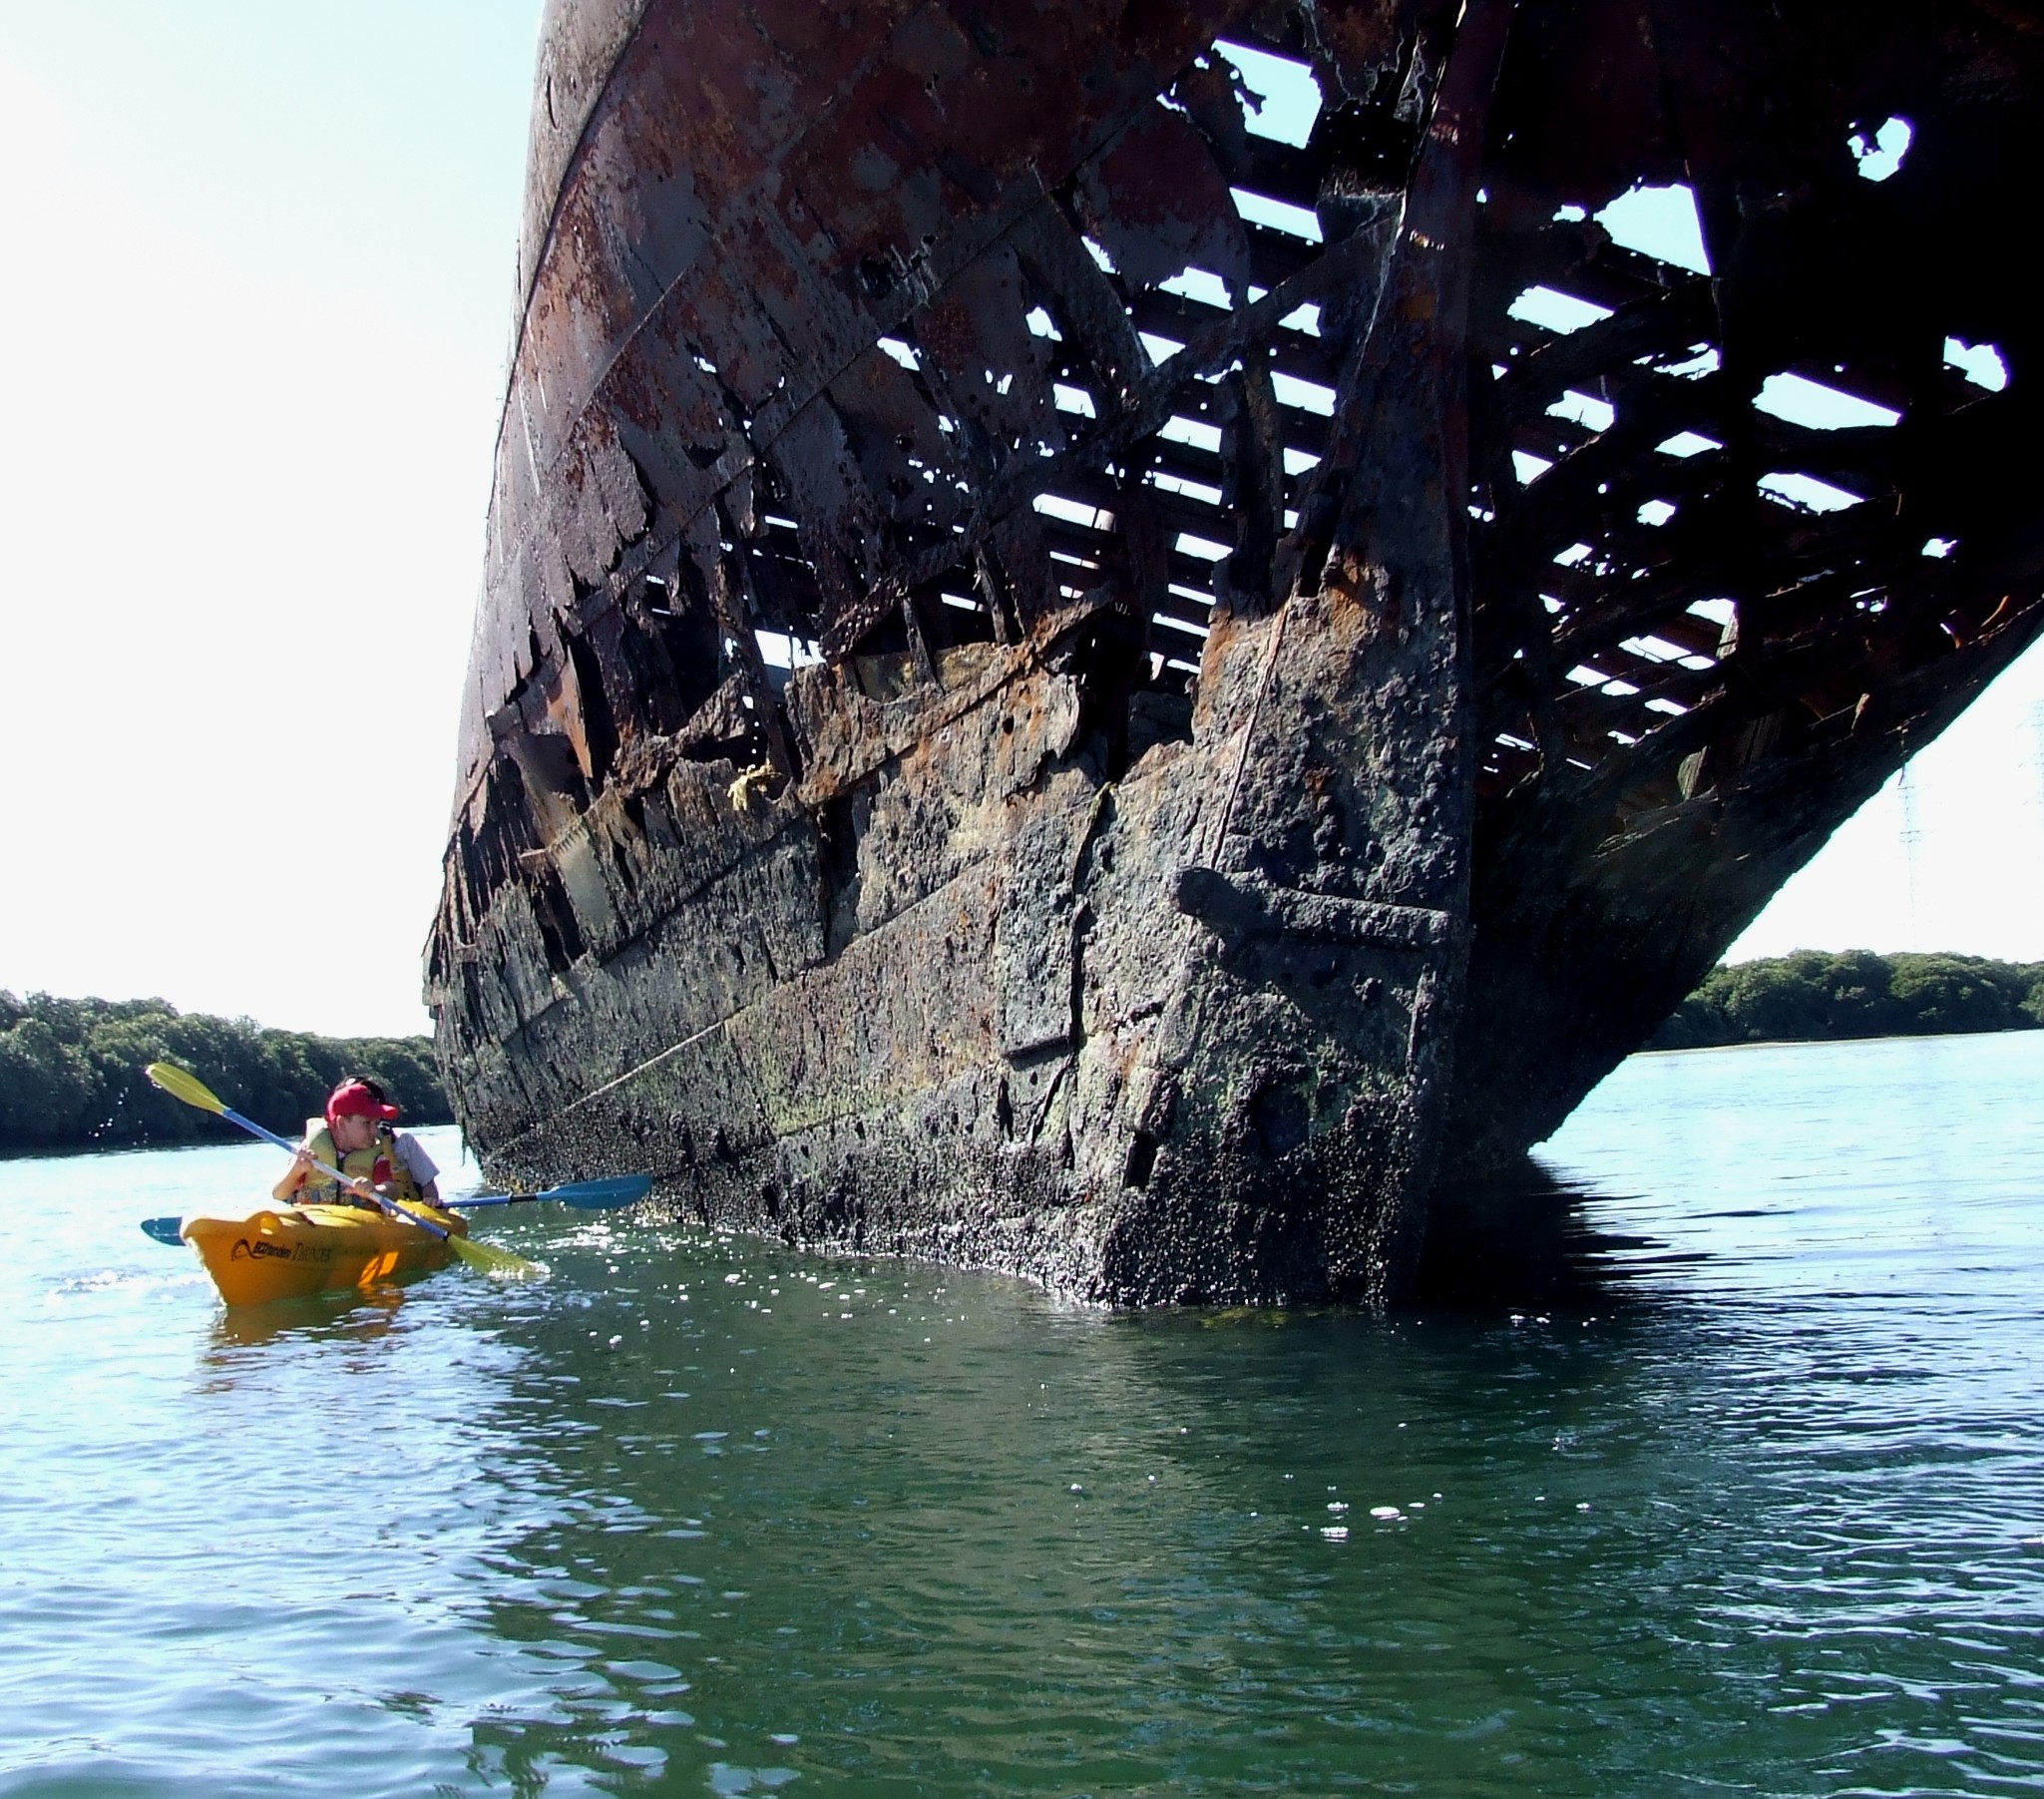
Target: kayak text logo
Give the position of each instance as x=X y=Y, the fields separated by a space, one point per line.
x=244 y=1249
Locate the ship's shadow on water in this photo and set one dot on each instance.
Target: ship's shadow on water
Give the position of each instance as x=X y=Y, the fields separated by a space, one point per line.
x=1528 y=1238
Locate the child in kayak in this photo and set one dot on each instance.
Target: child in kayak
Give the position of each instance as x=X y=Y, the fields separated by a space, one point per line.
x=356 y=1139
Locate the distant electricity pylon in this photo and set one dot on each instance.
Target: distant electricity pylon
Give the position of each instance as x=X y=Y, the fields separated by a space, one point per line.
x=1905 y=791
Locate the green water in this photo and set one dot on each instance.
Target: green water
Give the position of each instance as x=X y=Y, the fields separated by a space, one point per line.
x=1762 y=1512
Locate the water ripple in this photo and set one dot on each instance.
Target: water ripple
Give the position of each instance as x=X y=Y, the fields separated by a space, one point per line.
x=1754 y=1501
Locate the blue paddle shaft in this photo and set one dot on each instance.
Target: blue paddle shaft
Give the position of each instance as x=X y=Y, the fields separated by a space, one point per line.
x=255 y=1130
x=586 y=1196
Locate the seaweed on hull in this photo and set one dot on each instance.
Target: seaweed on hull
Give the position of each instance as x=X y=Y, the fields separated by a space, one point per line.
x=1114 y=635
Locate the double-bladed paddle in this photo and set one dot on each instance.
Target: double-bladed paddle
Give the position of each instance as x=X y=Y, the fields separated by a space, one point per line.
x=181 y=1085
x=583 y=1195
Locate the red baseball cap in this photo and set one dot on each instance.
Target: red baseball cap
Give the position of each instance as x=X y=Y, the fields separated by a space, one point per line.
x=352 y=1099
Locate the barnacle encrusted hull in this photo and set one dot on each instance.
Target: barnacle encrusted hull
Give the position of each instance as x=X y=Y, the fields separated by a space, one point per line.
x=1117 y=637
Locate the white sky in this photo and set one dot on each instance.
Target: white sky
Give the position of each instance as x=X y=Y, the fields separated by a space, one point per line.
x=260 y=262
x=259 y=267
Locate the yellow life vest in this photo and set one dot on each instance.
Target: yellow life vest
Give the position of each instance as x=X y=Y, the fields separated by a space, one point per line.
x=380 y=1164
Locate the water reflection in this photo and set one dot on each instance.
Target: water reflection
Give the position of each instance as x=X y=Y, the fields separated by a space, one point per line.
x=357 y=1317
x=912 y=1532
x=1752 y=1489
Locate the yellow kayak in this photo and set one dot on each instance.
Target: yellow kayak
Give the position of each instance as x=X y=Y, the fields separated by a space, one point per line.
x=293 y=1251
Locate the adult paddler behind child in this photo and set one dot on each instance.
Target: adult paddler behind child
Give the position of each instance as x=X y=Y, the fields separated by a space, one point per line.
x=356 y=1139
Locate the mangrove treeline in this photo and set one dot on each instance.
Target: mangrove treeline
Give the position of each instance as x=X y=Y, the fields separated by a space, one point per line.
x=71 y=1071
x=1817 y=997
x=71 y=1074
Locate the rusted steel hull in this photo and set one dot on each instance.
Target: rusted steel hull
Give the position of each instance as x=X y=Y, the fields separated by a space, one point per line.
x=1085 y=674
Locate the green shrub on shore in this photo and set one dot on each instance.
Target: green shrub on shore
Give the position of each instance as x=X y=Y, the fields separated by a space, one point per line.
x=70 y=1073
x=1816 y=996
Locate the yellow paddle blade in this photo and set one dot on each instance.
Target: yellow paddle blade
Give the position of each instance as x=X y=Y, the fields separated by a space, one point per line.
x=491 y=1260
x=187 y=1086
x=483 y=1256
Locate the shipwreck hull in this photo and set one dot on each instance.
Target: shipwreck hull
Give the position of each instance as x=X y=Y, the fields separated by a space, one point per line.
x=1079 y=675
